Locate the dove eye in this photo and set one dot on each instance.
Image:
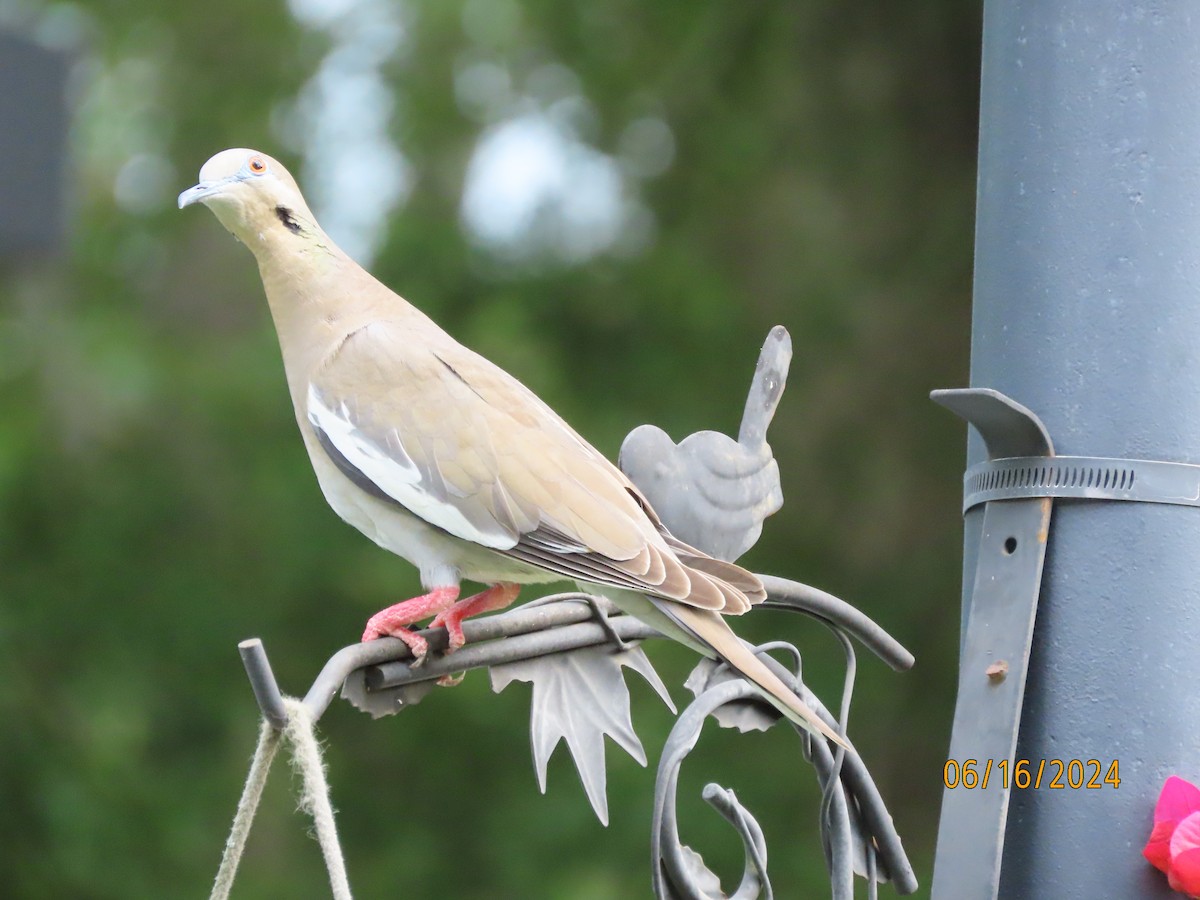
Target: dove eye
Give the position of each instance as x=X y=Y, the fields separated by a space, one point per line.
x=257 y=165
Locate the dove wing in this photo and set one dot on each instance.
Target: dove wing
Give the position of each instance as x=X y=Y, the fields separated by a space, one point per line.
x=452 y=438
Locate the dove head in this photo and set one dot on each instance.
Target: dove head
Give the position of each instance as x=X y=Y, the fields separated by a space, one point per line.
x=252 y=195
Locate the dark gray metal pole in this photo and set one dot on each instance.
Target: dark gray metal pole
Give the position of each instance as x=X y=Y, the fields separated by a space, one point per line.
x=33 y=148
x=1087 y=311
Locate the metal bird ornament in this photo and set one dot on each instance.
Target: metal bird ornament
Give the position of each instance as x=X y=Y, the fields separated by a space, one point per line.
x=443 y=458
x=709 y=490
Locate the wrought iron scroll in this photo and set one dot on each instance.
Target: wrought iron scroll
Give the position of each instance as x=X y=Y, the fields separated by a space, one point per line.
x=857 y=831
x=856 y=827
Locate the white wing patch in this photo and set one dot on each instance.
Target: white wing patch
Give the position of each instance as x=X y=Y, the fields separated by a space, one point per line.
x=393 y=471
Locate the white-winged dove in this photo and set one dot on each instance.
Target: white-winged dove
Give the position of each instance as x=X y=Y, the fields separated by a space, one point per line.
x=443 y=458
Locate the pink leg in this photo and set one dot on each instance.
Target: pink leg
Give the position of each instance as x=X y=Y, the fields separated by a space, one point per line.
x=497 y=596
x=392 y=620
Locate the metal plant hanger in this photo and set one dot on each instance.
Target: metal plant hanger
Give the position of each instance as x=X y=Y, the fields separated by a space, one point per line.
x=713 y=492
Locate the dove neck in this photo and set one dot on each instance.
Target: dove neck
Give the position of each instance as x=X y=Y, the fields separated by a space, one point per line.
x=302 y=275
x=318 y=295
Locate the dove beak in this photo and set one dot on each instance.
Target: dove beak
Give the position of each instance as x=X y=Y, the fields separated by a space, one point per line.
x=205 y=190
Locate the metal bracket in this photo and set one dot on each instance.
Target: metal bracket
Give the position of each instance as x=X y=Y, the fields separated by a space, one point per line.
x=995 y=651
x=1016 y=485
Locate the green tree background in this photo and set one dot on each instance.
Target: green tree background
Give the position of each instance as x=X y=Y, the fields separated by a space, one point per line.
x=156 y=506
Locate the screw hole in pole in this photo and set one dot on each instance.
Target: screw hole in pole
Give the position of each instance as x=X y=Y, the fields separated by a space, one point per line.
x=1010 y=546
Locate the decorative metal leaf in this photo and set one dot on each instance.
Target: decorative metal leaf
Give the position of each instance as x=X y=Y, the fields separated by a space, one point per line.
x=382 y=703
x=581 y=696
x=697 y=880
x=744 y=715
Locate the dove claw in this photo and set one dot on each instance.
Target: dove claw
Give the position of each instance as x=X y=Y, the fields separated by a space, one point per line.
x=448 y=614
x=495 y=597
x=391 y=622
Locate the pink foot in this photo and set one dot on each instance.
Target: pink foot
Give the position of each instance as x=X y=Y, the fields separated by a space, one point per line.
x=497 y=596
x=392 y=621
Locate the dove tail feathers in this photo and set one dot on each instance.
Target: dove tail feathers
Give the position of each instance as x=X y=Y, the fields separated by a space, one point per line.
x=741 y=588
x=784 y=699
x=710 y=630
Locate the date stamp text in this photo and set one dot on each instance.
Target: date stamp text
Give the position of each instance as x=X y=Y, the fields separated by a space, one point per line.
x=1025 y=774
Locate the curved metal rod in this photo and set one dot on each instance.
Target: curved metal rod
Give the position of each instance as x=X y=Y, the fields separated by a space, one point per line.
x=836 y=835
x=518 y=647
x=838 y=849
x=674 y=870
x=798 y=597
x=894 y=863
x=679 y=872
x=754 y=876
x=833 y=801
x=837 y=838
x=262 y=682
x=873 y=875
x=544 y=613
x=547 y=612
x=889 y=853
x=849 y=796
x=893 y=860
x=555 y=624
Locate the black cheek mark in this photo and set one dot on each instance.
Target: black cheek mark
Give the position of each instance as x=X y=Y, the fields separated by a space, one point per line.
x=285 y=216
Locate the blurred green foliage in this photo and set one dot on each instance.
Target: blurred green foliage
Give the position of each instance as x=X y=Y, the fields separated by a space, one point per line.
x=156 y=506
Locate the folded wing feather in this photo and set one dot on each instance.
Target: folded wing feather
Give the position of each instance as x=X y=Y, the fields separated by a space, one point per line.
x=458 y=442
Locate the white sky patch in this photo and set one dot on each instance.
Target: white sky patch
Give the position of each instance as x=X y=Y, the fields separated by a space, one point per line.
x=320 y=14
x=534 y=188
x=354 y=174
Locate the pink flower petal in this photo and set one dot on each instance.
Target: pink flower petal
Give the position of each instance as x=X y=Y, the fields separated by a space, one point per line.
x=1158 y=848
x=1178 y=800
x=1184 y=874
x=1186 y=836
x=1184 y=871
